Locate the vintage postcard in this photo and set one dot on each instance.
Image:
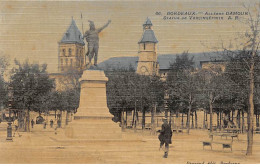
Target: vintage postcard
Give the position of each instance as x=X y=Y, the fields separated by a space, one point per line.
x=129 y=82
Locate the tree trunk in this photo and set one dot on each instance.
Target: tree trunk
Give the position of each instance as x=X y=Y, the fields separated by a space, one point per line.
x=243 y=121
x=257 y=119
x=238 y=118
x=122 y=121
x=153 y=128
x=27 y=121
x=134 y=115
x=251 y=106
x=188 y=116
x=170 y=122
x=232 y=115
x=187 y=120
x=182 y=123
x=196 y=120
x=210 y=110
x=192 y=120
x=204 y=119
x=126 y=119
x=67 y=118
x=217 y=119
x=172 y=119
x=143 y=120
x=220 y=120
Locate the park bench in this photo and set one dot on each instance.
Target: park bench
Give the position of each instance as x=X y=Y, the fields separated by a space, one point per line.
x=257 y=130
x=232 y=135
x=224 y=144
x=232 y=130
x=148 y=126
x=177 y=131
x=129 y=127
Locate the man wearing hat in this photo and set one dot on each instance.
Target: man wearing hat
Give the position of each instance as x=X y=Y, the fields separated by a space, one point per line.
x=165 y=136
x=93 y=40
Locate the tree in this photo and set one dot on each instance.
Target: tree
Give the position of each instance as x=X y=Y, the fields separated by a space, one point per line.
x=250 y=49
x=31 y=86
x=3 y=85
x=182 y=84
x=213 y=89
x=128 y=91
x=70 y=79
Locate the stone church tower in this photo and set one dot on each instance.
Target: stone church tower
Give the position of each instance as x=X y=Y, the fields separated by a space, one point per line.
x=147 y=63
x=71 y=51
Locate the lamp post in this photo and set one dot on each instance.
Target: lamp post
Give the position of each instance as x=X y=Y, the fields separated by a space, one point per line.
x=9 y=127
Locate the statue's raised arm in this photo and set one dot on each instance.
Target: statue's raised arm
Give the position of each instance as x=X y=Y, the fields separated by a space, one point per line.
x=101 y=28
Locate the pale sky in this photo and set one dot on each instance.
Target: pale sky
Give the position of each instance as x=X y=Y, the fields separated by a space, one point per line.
x=32 y=29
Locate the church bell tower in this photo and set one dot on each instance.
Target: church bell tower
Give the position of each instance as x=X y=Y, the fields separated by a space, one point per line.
x=147 y=63
x=71 y=49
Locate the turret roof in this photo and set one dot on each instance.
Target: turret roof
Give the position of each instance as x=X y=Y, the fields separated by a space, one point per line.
x=148 y=22
x=72 y=35
x=148 y=35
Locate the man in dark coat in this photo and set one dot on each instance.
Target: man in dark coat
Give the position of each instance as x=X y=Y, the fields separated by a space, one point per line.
x=165 y=136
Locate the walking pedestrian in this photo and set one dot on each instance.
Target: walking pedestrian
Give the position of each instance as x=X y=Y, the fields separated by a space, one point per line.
x=165 y=137
x=32 y=122
x=51 y=123
x=59 y=123
x=44 y=125
x=15 y=126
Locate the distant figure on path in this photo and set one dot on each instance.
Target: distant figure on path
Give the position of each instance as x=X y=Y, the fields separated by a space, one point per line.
x=16 y=126
x=44 y=125
x=51 y=123
x=32 y=122
x=165 y=136
x=93 y=40
x=59 y=123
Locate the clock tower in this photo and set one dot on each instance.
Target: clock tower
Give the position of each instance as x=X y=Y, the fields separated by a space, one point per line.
x=147 y=63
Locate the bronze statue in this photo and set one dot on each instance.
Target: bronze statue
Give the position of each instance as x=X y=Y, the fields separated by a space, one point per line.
x=93 y=40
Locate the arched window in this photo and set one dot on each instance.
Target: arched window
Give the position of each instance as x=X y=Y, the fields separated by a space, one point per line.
x=69 y=51
x=63 y=52
x=61 y=64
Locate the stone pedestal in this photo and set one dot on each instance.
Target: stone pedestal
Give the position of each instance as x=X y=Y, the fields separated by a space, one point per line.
x=93 y=119
x=93 y=98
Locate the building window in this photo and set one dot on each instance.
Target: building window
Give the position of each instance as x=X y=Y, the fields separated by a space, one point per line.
x=144 y=46
x=64 y=52
x=66 y=61
x=70 y=62
x=61 y=64
x=69 y=51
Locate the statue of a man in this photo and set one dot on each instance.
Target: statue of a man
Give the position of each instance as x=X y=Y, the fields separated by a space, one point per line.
x=93 y=40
